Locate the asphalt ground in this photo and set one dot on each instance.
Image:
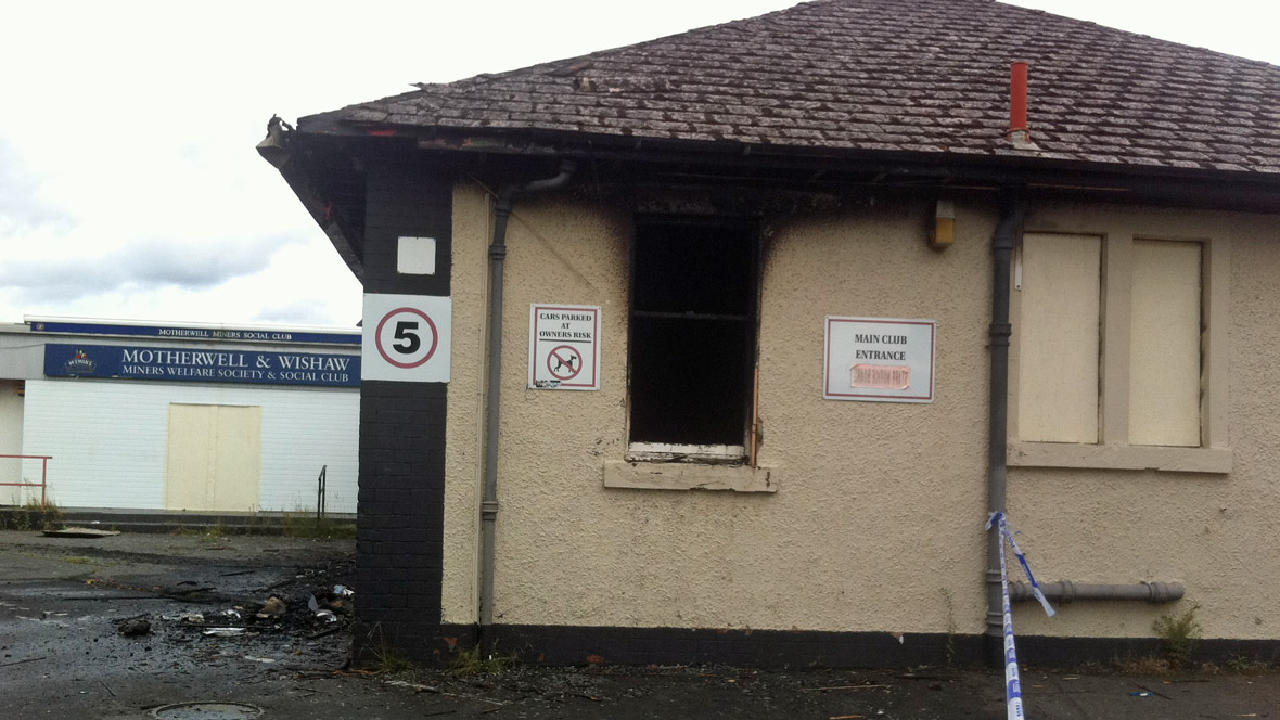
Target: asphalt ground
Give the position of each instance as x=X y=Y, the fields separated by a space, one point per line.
x=63 y=603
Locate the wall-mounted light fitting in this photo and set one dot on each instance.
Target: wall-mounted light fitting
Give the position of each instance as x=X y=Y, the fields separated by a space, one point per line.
x=944 y=225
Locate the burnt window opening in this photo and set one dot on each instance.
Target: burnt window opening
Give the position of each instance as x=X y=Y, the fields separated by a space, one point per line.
x=693 y=332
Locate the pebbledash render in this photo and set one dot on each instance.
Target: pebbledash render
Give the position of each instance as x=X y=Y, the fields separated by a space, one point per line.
x=846 y=278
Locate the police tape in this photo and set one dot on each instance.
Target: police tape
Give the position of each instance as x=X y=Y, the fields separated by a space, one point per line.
x=1013 y=682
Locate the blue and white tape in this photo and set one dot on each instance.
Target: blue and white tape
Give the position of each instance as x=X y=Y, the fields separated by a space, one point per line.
x=1012 y=679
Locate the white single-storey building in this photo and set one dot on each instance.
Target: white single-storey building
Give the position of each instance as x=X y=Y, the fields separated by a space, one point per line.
x=178 y=417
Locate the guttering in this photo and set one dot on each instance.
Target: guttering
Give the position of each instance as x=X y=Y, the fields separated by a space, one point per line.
x=1249 y=190
x=1008 y=230
x=507 y=195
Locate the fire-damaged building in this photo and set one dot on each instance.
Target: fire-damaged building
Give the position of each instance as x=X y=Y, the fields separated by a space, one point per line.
x=726 y=346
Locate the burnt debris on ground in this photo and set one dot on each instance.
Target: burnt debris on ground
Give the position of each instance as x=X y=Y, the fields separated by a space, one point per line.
x=305 y=606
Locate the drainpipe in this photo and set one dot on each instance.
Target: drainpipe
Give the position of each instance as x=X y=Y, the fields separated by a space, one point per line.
x=493 y=388
x=1009 y=227
x=1065 y=592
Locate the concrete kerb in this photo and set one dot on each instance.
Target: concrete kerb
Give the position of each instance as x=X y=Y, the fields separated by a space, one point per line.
x=169 y=521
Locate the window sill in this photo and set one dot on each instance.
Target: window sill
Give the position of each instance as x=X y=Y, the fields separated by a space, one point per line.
x=671 y=452
x=689 y=476
x=1120 y=457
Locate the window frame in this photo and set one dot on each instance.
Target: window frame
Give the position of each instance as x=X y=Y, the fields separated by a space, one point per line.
x=666 y=452
x=1113 y=451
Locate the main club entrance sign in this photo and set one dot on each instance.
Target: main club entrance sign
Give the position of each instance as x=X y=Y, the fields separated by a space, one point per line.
x=564 y=347
x=405 y=338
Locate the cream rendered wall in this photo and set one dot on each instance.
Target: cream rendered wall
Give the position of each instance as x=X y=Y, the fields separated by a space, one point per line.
x=1212 y=532
x=882 y=504
x=464 y=438
x=878 y=522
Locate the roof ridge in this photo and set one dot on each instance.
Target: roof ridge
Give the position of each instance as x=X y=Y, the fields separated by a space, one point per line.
x=569 y=62
x=552 y=66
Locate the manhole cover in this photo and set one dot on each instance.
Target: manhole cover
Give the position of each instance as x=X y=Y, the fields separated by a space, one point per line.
x=206 y=711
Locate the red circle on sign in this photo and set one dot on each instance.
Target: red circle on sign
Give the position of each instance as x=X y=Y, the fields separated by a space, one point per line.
x=573 y=371
x=377 y=338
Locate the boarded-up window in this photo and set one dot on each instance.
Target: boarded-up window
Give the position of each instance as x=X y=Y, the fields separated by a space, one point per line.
x=214 y=457
x=1164 y=344
x=1058 y=335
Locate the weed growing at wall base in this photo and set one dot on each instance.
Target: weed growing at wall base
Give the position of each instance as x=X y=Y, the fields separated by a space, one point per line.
x=952 y=628
x=475 y=661
x=381 y=657
x=307 y=525
x=1178 y=635
x=32 y=516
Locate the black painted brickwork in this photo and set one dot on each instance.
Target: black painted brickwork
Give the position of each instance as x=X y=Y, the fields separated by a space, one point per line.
x=406 y=201
x=399 y=554
x=742 y=648
x=562 y=645
x=399 y=541
x=570 y=645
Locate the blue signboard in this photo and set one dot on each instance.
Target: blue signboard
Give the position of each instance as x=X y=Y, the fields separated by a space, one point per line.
x=175 y=364
x=195 y=333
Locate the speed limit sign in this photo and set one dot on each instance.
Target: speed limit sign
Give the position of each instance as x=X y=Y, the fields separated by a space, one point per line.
x=406 y=338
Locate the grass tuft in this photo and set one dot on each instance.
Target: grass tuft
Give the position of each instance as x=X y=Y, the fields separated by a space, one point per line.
x=306 y=525
x=1178 y=635
x=474 y=661
x=33 y=515
x=390 y=661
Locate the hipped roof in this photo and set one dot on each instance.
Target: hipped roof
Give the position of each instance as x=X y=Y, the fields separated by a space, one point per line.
x=926 y=77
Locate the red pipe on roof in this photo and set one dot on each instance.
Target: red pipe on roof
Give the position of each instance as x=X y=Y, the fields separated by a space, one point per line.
x=1018 y=98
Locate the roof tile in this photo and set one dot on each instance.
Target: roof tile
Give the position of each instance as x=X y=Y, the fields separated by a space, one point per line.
x=922 y=76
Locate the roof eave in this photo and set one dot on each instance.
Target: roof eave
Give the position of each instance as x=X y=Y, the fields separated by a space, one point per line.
x=1254 y=190
x=1198 y=187
x=280 y=149
x=526 y=141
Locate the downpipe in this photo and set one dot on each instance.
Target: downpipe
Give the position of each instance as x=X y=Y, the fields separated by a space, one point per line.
x=507 y=196
x=1008 y=230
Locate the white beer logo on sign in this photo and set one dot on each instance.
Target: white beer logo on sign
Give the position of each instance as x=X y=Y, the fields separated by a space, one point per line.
x=405 y=338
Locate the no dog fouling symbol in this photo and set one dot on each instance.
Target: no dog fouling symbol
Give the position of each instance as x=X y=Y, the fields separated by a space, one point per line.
x=564 y=362
x=406 y=337
x=564 y=347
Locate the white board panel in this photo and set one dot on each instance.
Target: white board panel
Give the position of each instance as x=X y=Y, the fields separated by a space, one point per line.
x=108 y=441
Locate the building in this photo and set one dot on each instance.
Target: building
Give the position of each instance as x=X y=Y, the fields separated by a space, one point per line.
x=738 y=337
x=178 y=417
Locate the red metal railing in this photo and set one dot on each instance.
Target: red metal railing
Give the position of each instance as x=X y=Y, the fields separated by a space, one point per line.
x=44 y=475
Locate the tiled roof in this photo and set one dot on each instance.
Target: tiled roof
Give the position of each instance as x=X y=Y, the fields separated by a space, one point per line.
x=917 y=76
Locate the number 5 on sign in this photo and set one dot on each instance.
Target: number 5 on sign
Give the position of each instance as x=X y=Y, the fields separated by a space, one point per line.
x=405 y=338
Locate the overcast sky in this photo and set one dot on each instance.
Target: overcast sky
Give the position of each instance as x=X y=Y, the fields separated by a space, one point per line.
x=129 y=187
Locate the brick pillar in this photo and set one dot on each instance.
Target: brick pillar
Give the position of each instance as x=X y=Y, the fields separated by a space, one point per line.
x=399 y=544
